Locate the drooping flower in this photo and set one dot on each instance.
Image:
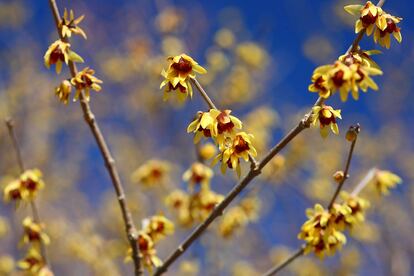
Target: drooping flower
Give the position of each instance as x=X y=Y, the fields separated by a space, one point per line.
x=320 y=234
x=214 y=123
x=388 y=26
x=368 y=16
x=14 y=191
x=158 y=227
x=152 y=173
x=69 y=24
x=33 y=261
x=351 y=211
x=63 y=91
x=240 y=146
x=59 y=52
x=34 y=232
x=32 y=182
x=326 y=117
x=147 y=252
x=202 y=204
x=85 y=80
x=385 y=180
x=180 y=70
x=198 y=174
x=179 y=201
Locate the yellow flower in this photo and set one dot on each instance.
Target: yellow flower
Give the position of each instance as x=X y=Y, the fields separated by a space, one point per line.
x=198 y=174
x=147 y=252
x=320 y=234
x=388 y=26
x=31 y=181
x=32 y=262
x=69 y=24
x=152 y=173
x=326 y=116
x=351 y=211
x=14 y=191
x=6 y=265
x=207 y=151
x=385 y=180
x=234 y=148
x=180 y=70
x=85 y=80
x=59 y=52
x=63 y=91
x=34 y=232
x=214 y=123
x=368 y=16
x=158 y=227
x=233 y=220
x=251 y=207
x=202 y=203
x=179 y=201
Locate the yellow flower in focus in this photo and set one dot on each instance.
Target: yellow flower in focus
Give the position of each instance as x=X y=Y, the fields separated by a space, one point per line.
x=214 y=123
x=385 y=180
x=320 y=234
x=388 y=26
x=69 y=24
x=326 y=116
x=32 y=182
x=85 y=80
x=158 y=227
x=34 y=232
x=152 y=173
x=63 y=91
x=368 y=16
x=207 y=151
x=198 y=174
x=181 y=69
x=32 y=262
x=234 y=148
x=59 y=52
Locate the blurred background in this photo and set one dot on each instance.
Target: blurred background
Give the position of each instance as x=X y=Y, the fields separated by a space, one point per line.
x=260 y=56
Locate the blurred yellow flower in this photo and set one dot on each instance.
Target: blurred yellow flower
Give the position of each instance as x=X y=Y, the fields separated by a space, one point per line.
x=59 y=52
x=4 y=227
x=180 y=70
x=207 y=151
x=233 y=221
x=385 y=180
x=224 y=38
x=6 y=265
x=351 y=211
x=326 y=117
x=157 y=227
x=199 y=174
x=63 y=91
x=32 y=182
x=202 y=203
x=152 y=173
x=147 y=252
x=32 y=262
x=69 y=24
x=34 y=232
x=85 y=80
x=179 y=201
x=14 y=191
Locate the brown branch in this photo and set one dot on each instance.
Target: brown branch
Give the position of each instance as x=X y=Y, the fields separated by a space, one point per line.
x=203 y=94
x=275 y=270
x=356 y=130
x=107 y=156
x=35 y=213
x=255 y=169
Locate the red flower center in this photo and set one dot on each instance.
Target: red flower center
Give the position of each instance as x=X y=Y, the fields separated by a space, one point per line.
x=183 y=66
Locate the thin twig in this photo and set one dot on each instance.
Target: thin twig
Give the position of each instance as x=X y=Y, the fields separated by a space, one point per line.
x=107 y=156
x=356 y=130
x=204 y=94
x=35 y=213
x=275 y=270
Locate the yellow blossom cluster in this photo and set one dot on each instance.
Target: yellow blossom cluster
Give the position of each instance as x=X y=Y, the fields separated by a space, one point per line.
x=152 y=173
x=373 y=19
x=323 y=231
x=59 y=52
